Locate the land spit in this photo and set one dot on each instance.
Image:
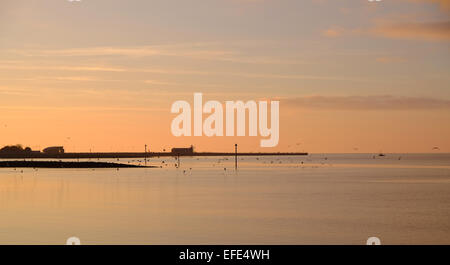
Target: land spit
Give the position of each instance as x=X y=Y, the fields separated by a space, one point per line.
x=60 y=164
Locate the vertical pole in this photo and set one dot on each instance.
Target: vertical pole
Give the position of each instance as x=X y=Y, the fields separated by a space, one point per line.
x=145 y=155
x=235 y=156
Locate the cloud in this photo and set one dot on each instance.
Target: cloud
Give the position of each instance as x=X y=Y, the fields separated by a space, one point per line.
x=390 y=59
x=380 y=102
x=161 y=83
x=428 y=31
x=62 y=68
x=82 y=108
x=443 y=4
x=398 y=28
x=336 y=31
x=94 y=68
x=432 y=31
x=15 y=91
x=333 y=32
x=195 y=51
x=138 y=51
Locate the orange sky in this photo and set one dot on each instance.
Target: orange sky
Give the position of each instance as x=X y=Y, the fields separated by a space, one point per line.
x=351 y=76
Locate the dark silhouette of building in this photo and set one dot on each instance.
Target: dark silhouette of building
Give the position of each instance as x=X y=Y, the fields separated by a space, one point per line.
x=183 y=151
x=16 y=149
x=54 y=150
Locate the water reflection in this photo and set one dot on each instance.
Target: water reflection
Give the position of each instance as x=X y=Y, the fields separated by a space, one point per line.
x=269 y=200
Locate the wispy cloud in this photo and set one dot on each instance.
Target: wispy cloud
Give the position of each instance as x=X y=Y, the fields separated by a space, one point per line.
x=137 y=51
x=334 y=31
x=432 y=31
x=380 y=102
x=82 y=108
x=390 y=59
x=62 y=68
x=166 y=72
x=427 y=31
x=65 y=79
x=443 y=4
x=205 y=51
x=161 y=83
x=15 y=91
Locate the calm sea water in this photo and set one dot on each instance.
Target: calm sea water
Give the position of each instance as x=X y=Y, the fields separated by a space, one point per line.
x=316 y=199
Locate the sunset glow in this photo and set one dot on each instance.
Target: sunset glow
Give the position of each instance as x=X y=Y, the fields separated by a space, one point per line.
x=105 y=81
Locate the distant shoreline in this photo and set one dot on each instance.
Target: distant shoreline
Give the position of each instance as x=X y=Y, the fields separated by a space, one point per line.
x=134 y=155
x=60 y=164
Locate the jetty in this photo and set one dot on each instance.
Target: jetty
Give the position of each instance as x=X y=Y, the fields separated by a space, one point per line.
x=113 y=155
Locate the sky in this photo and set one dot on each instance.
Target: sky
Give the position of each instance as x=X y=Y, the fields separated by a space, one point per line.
x=350 y=75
